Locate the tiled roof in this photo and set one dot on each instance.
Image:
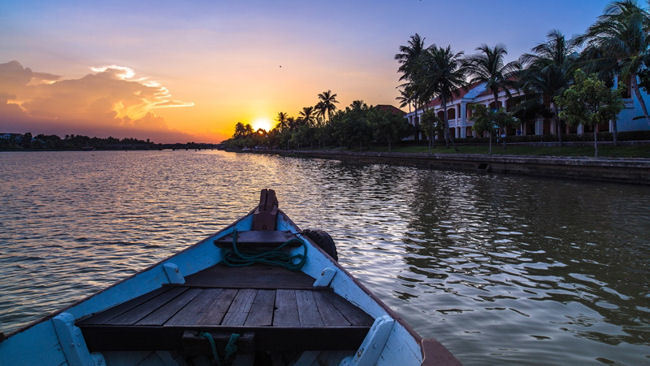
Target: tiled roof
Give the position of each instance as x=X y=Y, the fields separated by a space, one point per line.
x=390 y=108
x=459 y=94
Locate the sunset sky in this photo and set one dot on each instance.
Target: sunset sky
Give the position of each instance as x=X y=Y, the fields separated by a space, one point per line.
x=188 y=71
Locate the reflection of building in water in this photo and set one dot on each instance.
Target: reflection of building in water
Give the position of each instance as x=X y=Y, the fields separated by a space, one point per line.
x=459 y=114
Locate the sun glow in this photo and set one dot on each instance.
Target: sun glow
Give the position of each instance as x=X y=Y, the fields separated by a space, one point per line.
x=263 y=123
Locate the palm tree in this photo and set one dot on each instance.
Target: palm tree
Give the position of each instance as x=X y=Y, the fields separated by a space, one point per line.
x=282 y=121
x=358 y=105
x=432 y=124
x=410 y=60
x=326 y=104
x=488 y=67
x=405 y=98
x=621 y=33
x=443 y=74
x=240 y=130
x=319 y=112
x=307 y=116
x=409 y=56
x=549 y=70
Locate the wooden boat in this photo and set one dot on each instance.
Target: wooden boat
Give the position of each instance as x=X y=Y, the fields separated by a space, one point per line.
x=192 y=309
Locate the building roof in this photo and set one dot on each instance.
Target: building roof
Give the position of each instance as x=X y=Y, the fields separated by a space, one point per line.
x=487 y=91
x=469 y=93
x=458 y=94
x=390 y=108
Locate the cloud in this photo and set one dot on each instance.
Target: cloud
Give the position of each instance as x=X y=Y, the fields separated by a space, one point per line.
x=110 y=99
x=14 y=76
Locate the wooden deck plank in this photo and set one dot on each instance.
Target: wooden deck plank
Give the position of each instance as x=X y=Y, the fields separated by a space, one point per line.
x=256 y=276
x=218 y=307
x=240 y=307
x=261 y=312
x=144 y=309
x=286 y=309
x=353 y=314
x=104 y=316
x=307 y=309
x=166 y=311
x=329 y=313
x=195 y=309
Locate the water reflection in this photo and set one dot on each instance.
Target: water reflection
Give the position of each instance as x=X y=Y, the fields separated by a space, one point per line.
x=517 y=256
x=500 y=269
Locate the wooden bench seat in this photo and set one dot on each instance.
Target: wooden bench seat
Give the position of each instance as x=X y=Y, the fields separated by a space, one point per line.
x=291 y=316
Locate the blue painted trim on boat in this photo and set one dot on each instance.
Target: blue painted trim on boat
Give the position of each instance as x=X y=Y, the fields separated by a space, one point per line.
x=37 y=346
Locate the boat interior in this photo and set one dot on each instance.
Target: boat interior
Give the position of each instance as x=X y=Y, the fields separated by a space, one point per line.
x=277 y=313
x=259 y=292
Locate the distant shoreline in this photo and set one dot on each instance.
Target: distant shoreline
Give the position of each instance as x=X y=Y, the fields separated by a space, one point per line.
x=216 y=147
x=42 y=142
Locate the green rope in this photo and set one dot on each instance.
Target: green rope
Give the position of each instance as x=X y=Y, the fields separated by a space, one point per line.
x=230 y=349
x=213 y=346
x=275 y=257
x=231 y=346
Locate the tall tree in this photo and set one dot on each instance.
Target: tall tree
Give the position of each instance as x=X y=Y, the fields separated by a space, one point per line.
x=433 y=125
x=405 y=98
x=282 y=121
x=410 y=60
x=409 y=57
x=621 y=33
x=240 y=130
x=307 y=116
x=488 y=67
x=443 y=74
x=326 y=104
x=548 y=71
x=358 y=105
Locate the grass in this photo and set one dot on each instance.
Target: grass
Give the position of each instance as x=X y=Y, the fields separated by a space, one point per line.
x=624 y=151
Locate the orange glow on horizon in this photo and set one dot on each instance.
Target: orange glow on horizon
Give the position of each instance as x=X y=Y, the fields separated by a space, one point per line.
x=181 y=104
x=262 y=123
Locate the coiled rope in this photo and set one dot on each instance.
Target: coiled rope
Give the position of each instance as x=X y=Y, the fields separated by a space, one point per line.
x=275 y=257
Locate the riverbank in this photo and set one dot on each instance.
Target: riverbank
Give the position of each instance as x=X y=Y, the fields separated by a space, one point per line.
x=625 y=149
x=619 y=170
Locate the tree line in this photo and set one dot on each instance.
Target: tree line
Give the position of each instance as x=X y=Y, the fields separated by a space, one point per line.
x=567 y=80
x=356 y=126
x=80 y=142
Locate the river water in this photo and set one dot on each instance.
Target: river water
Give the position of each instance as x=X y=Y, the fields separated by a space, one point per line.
x=500 y=269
